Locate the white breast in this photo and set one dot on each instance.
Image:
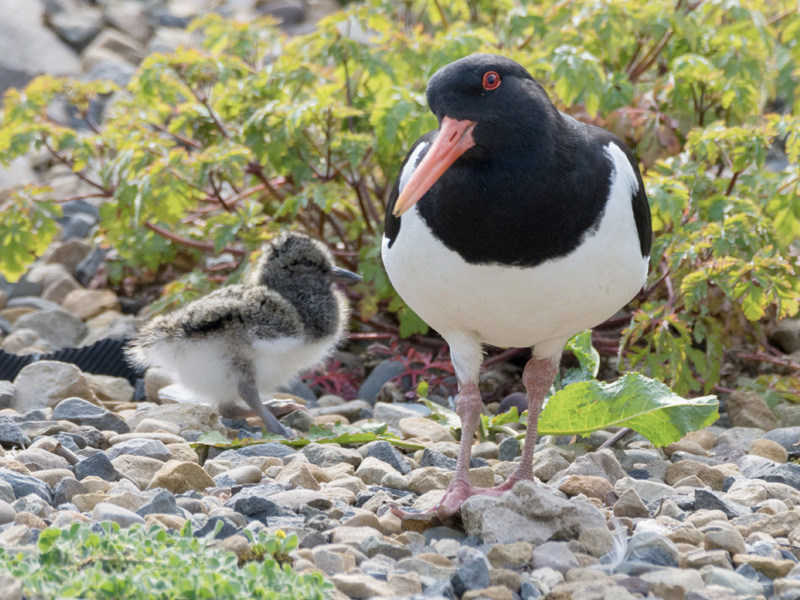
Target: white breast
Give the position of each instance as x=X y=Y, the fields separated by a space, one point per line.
x=524 y=306
x=204 y=366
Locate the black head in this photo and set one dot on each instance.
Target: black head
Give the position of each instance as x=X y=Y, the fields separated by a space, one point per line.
x=294 y=261
x=496 y=93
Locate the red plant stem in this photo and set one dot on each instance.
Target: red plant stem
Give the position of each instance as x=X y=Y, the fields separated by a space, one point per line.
x=761 y=357
x=503 y=356
x=197 y=245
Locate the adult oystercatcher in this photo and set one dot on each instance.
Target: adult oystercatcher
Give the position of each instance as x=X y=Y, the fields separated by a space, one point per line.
x=245 y=339
x=512 y=225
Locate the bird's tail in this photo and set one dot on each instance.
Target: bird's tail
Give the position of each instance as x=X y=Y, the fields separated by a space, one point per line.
x=140 y=351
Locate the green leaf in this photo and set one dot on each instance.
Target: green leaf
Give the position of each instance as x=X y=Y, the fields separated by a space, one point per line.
x=580 y=345
x=645 y=405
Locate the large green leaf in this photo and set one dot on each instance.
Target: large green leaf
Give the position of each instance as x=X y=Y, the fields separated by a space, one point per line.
x=329 y=434
x=645 y=405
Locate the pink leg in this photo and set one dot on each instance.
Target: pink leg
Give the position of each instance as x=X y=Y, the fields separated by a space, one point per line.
x=538 y=376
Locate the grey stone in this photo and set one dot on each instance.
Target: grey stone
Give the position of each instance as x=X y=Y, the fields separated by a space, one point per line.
x=554 y=555
x=7 y=512
x=254 y=501
x=45 y=383
x=7 y=394
x=25 y=484
x=162 y=502
x=652 y=548
x=755 y=467
x=66 y=489
x=32 y=504
x=786 y=335
x=227 y=529
x=441 y=588
x=77 y=27
x=788 y=437
x=434 y=458
x=301 y=420
x=112 y=43
x=82 y=412
x=105 y=511
x=28 y=49
x=385 y=371
x=384 y=451
x=38 y=459
x=374 y=545
x=236 y=457
x=58 y=327
x=709 y=500
x=98 y=465
x=530 y=513
x=529 y=591
x=6 y=492
x=392 y=414
x=129 y=16
x=509 y=449
x=738 y=583
x=602 y=463
x=327 y=455
x=140 y=447
x=741 y=437
x=473 y=575
x=11 y=434
x=748 y=409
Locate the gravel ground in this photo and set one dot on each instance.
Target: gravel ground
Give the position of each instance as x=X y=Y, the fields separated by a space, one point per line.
x=714 y=516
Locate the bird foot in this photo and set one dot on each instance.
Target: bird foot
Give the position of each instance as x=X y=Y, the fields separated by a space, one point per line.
x=458 y=493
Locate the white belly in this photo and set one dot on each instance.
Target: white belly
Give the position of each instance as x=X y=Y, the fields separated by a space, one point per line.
x=523 y=306
x=204 y=367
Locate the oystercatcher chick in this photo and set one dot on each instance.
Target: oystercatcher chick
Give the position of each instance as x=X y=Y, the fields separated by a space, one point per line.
x=512 y=225
x=244 y=339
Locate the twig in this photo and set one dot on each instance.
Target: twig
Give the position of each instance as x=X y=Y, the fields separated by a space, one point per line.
x=732 y=183
x=442 y=14
x=106 y=192
x=197 y=245
x=203 y=99
x=182 y=139
x=255 y=169
x=503 y=356
x=761 y=357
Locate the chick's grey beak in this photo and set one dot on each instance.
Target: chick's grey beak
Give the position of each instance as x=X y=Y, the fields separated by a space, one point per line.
x=345 y=275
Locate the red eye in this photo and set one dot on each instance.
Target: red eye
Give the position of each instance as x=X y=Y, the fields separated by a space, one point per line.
x=491 y=80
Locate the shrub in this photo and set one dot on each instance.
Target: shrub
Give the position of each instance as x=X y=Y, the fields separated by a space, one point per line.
x=212 y=149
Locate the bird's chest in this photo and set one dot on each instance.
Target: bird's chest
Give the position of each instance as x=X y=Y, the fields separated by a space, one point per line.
x=507 y=305
x=277 y=360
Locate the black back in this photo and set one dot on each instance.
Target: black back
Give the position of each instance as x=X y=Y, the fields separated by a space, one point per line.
x=534 y=185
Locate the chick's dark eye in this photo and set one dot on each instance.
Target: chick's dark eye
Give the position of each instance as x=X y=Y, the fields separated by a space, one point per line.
x=491 y=80
x=307 y=263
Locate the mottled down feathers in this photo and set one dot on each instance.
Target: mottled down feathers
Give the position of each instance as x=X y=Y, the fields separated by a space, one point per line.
x=288 y=317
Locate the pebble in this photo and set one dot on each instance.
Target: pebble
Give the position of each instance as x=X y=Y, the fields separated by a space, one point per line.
x=104 y=511
x=653 y=549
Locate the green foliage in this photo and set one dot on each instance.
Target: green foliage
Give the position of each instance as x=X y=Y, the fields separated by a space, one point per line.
x=151 y=564
x=213 y=149
x=644 y=405
x=328 y=434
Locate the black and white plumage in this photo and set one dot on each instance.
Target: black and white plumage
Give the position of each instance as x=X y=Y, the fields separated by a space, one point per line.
x=244 y=339
x=513 y=225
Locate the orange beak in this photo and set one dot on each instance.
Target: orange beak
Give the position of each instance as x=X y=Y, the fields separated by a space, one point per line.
x=455 y=138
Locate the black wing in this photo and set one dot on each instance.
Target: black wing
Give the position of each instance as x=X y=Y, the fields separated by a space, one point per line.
x=392 y=223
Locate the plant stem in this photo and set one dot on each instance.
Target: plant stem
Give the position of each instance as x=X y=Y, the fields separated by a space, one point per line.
x=195 y=244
